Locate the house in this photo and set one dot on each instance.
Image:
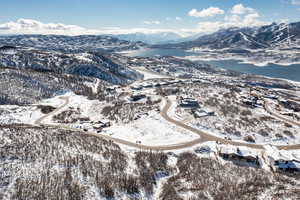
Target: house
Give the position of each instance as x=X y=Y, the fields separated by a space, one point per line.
x=284 y=161
x=157 y=85
x=136 y=87
x=111 y=88
x=102 y=124
x=164 y=83
x=271 y=96
x=239 y=155
x=147 y=85
x=188 y=103
x=137 y=97
x=292 y=105
x=203 y=112
x=196 y=81
x=252 y=101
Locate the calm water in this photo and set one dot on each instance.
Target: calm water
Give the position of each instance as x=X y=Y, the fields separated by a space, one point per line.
x=160 y=52
x=291 y=72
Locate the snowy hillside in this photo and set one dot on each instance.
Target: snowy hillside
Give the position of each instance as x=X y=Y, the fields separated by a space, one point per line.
x=70 y=43
x=59 y=164
x=151 y=38
x=20 y=87
x=274 y=35
x=95 y=65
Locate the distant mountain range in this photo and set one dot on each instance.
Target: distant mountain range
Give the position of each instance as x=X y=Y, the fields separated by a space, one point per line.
x=270 y=36
x=151 y=38
x=76 y=44
x=92 y=56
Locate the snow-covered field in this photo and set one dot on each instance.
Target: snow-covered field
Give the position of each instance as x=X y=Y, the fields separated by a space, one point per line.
x=29 y=114
x=148 y=74
x=151 y=130
x=12 y=114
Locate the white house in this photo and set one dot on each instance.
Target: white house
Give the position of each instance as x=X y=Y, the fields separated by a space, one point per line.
x=283 y=160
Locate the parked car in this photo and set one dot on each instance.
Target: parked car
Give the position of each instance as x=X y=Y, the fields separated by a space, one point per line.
x=203 y=149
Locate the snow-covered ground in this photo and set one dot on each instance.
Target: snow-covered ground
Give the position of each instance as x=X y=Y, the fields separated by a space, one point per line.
x=88 y=108
x=151 y=130
x=258 y=58
x=234 y=120
x=29 y=114
x=13 y=114
x=148 y=74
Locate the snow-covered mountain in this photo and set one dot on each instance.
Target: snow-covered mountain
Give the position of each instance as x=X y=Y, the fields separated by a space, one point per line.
x=62 y=43
x=280 y=34
x=151 y=38
x=92 y=64
x=273 y=35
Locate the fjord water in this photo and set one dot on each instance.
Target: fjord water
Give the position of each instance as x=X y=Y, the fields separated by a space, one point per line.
x=291 y=72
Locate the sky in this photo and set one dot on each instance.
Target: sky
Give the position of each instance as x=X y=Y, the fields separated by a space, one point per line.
x=185 y=17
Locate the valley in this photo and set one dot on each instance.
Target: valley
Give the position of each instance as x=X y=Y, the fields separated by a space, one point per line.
x=78 y=122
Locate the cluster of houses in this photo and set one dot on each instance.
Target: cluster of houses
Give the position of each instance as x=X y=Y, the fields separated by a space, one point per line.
x=194 y=106
x=155 y=84
x=165 y=82
x=277 y=160
x=252 y=100
x=290 y=104
x=97 y=126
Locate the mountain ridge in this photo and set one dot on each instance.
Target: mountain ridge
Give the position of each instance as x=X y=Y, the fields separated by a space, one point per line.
x=273 y=35
x=70 y=44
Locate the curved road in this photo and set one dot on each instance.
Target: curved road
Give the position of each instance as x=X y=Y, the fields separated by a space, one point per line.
x=204 y=136
x=119 y=141
x=279 y=116
x=40 y=120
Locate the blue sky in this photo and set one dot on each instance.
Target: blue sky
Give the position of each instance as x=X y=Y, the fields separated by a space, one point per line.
x=146 y=14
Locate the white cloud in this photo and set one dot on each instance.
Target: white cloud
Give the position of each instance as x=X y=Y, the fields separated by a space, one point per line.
x=174 y=19
x=28 y=26
x=233 y=18
x=209 y=12
x=296 y=2
x=209 y=27
x=240 y=9
x=249 y=20
x=151 y=22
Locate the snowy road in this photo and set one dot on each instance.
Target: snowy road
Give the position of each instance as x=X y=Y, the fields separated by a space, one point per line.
x=278 y=116
x=204 y=136
x=117 y=140
x=40 y=120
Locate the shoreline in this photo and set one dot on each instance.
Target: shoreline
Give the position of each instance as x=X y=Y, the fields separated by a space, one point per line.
x=239 y=60
x=242 y=61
